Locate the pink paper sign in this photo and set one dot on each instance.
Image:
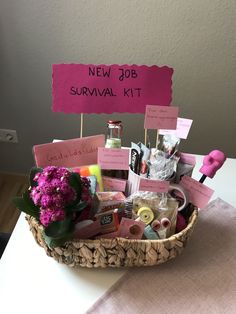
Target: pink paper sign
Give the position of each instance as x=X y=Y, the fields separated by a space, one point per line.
x=113 y=158
x=159 y=117
x=182 y=129
x=81 y=88
x=153 y=185
x=188 y=159
x=199 y=194
x=113 y=184
x=69 y=153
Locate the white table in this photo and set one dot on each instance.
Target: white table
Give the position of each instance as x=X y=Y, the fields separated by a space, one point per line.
x=30 y=281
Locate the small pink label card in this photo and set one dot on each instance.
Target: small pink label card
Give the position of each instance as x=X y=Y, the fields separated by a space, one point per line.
x=113 y=184
x=113 y=158
x=89 y=88
x=126 y=226
x=69 y=153
x=153 y=185
x=159 y=117
x=199 y=194
x=182 y=129
x=187 y=159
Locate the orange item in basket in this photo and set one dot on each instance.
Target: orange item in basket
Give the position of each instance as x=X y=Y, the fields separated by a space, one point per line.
x=109 y=200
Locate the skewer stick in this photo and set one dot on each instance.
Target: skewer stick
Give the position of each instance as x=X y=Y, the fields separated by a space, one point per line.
x=81 y=124
x=145 y=137
x=157 y=139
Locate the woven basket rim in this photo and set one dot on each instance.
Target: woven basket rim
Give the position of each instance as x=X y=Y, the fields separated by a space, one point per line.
x=115 y=252
x=191 y=223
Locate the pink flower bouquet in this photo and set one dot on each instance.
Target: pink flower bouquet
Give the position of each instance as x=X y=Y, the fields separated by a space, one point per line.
x=56 y=198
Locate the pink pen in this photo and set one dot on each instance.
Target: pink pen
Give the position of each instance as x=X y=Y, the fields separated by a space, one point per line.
x=211 y=163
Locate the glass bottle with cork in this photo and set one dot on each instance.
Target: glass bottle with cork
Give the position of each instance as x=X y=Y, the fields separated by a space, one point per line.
x=114 y=130
x=113 y=140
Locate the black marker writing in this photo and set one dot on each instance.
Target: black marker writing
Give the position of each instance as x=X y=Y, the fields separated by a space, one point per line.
x=132 y=92
x=127 y=73
x=99 y=72
x=86 y=91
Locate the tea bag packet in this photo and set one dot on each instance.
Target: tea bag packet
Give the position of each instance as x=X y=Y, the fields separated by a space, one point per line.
x=170 y=145
x=164 y=161
x=161 y=167
x=144 y=166
x=153 y=154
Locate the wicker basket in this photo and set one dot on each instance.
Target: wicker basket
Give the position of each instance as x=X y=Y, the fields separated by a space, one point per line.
x=116 y=252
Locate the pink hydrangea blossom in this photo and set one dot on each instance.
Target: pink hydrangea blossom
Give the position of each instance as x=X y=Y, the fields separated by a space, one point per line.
x=53 y=188
x=53 y=192
x=46 y=201
x=47 y=216
x=86 y=196
x=36 y=196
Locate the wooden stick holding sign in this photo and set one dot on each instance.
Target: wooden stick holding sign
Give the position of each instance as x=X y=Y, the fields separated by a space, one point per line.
x=160 y=117
x=145 y=137
x=81 y=124
x=157 y=138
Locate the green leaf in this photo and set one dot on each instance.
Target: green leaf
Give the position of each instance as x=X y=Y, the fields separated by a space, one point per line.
x=76 y=208
x=23 y=204
x=33 y=172
x=59 y=229
x=20 y=204
x=79 y=207
x=30 y=204
x=52 y=243
x=75 y=182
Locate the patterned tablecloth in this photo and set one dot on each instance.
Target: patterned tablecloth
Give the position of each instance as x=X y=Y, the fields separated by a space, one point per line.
x=201 y=280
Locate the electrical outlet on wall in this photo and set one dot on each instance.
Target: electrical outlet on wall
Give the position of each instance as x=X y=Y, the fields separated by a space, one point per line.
x=9 y=136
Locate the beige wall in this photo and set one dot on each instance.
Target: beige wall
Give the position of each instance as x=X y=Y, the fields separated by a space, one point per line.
x=195 y=37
